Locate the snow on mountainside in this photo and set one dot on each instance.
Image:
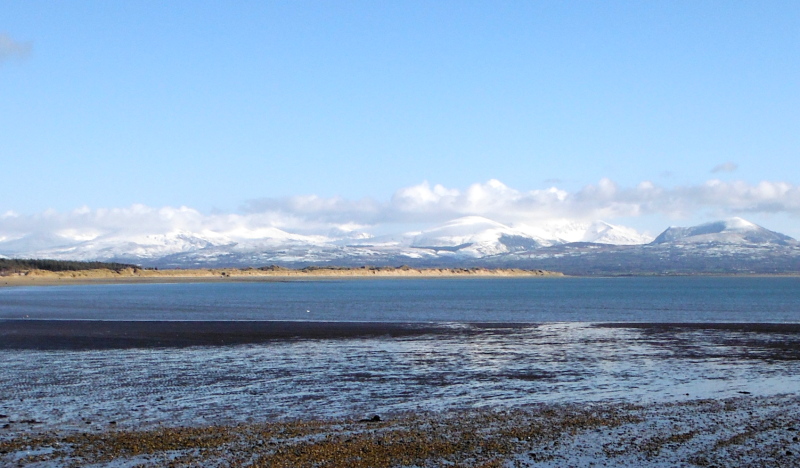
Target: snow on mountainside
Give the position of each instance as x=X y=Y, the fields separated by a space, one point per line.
x=477 y=236
x=730 y=231
x=722 y=247
x=119 y=246
x=598 y=232
x=114 y=246
x=601 y=232
x=474 y=236
x=470 y=237
x=471 y=240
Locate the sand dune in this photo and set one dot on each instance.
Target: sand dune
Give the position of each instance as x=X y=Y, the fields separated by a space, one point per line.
x=134 y=275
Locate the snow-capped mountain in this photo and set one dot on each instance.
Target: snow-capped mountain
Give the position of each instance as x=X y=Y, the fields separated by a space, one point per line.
x=478 y=237
x=729 y=231
x=475 y=236
x=104 y=247
x=578 y=248
x=145 y=247
x=730 y=246
x=599 y=232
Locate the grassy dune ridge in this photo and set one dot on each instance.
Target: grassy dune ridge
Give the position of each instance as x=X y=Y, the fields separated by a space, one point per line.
x=98 y=272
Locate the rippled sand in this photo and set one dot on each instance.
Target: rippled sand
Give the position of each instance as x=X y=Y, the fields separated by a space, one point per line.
x=737 y=432
x=293 y=394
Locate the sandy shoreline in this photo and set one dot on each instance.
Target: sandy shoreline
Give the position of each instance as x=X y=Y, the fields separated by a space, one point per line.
x=50 y=418
x=138 y=276
x=735 y=432
x=162 y=406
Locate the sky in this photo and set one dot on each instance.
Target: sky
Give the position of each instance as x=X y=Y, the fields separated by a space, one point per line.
x=378 y=115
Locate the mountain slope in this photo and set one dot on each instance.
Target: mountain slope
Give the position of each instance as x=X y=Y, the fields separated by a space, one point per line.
x=720 y=247
x=733 y=245
x=474 y=236
x=730 y=231
x=599 y=232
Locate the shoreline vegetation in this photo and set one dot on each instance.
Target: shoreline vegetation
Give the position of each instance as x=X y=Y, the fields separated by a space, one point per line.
x=49 y=272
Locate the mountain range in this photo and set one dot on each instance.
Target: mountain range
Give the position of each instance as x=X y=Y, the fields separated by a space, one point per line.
x=728 y=246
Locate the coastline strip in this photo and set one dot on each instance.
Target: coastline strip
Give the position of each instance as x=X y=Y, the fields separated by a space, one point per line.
x=28 y=334
x=138 y=275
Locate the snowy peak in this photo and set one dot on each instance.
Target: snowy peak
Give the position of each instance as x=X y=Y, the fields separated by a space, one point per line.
x=478 y=236
x=473 y=236
x=120 y=246
x=468 y=237
x=458 y=231
x=464 y=240
x=598 y=232
x=729 y=231
x=737 y=223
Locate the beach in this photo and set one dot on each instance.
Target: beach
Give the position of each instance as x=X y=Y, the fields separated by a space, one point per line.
x=324 y=373
x=183 y=394
x=206 y=275
x=735 y=432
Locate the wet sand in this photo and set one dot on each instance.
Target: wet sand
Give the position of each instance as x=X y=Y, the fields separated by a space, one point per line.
x=749 y=430
x=765 y=341
x=735 y=432
x=99 y=334
x=731 y=326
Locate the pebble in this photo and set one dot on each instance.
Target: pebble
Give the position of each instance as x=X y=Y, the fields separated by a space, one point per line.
x=524 y=436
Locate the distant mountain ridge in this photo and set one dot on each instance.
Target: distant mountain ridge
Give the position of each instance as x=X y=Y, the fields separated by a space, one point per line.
x=732 y=245
x=734 y=230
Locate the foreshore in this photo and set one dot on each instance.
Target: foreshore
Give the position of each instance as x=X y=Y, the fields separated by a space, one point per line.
x=140 y=275
x=43 y=334
x=735 y=432
x=23 y=334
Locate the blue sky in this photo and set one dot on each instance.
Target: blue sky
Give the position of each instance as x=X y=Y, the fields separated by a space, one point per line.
x=225 y=107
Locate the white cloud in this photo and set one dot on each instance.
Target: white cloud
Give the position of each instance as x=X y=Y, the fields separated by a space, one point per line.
x=422 y=198
x=9 y=48
x=422 y=204
x=425 y=203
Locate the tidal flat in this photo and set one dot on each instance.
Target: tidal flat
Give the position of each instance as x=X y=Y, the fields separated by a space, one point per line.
x=733 y=432
x=479 y=372
x=293 y=394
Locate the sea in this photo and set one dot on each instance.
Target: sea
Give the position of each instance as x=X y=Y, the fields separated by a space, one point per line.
x=477 y=343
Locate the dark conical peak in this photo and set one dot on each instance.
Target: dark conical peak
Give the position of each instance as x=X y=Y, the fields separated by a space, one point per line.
x=729 y=231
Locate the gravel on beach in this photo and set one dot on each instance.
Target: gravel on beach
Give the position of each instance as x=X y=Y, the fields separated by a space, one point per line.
x=752 y=431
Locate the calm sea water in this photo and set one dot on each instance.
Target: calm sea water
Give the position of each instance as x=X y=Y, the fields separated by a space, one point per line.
x=559 y=356
x=674 y=299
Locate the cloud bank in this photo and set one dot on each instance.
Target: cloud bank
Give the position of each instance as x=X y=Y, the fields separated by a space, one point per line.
x=420 y=204
x=9 y=48
x=603 y=200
